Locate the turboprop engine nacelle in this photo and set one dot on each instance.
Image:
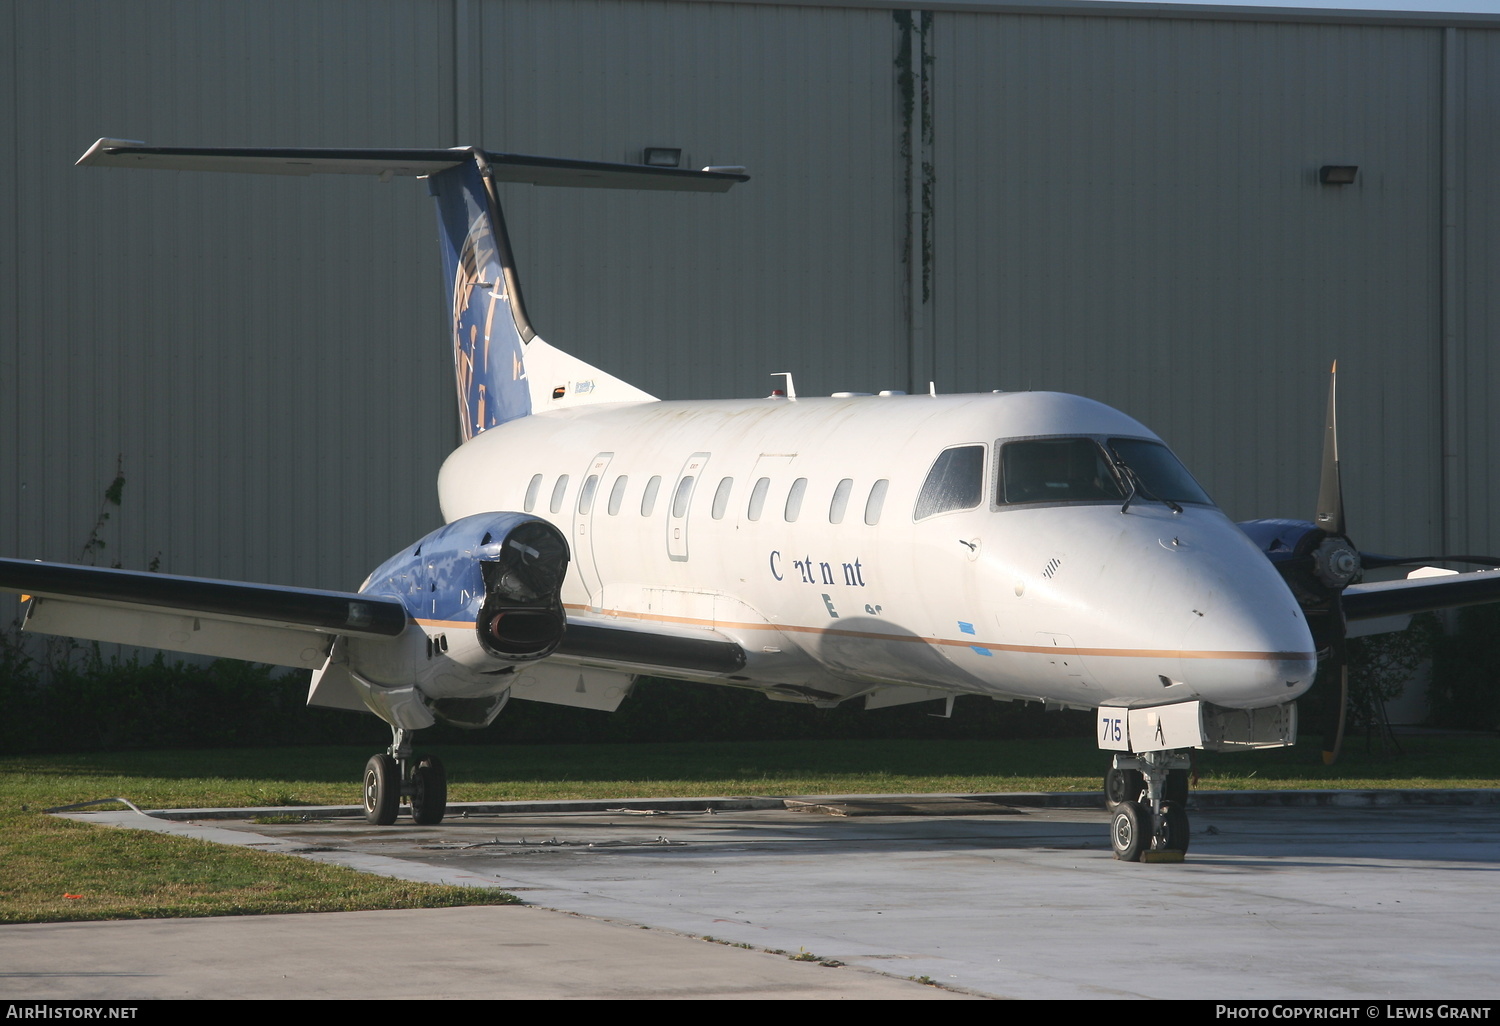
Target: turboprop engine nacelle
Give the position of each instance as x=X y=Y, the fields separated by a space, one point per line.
x=497 y=574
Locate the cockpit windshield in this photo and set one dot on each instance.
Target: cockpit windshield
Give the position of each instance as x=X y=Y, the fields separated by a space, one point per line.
x=1159 y=472
x=1056 y=470
x=1123 y=470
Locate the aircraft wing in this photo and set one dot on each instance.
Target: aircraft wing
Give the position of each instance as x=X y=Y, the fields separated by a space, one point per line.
x=1420 y=595
x=258 y=622
x=284 y=626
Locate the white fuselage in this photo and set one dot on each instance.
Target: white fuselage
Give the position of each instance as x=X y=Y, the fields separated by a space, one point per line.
x=1073 y=603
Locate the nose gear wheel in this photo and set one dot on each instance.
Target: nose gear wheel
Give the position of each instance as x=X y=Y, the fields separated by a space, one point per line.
x=1146 y=794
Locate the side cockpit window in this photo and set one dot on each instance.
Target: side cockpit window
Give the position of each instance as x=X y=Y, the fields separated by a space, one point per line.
x=956 y=481
x=1056 y=470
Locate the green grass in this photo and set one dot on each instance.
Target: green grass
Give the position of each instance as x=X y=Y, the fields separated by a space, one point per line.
x=137 y=874
x=57 y=870
x=330 y=776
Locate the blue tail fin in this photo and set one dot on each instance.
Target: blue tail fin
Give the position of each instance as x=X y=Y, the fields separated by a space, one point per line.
x=487 y=317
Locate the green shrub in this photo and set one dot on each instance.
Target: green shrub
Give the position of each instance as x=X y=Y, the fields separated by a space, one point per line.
x=1465 y=689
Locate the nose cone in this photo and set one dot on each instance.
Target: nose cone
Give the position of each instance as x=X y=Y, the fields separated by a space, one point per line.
x=1202 y=614
x=1251 y=646
x=1246 y=654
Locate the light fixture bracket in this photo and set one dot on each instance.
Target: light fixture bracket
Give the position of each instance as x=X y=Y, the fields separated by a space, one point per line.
x=662 y=156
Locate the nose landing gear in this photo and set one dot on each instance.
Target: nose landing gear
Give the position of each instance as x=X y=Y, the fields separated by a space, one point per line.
x=396 y=774
x=1146 y=794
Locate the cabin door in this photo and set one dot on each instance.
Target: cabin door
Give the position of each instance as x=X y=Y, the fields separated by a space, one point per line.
x=591 y=497
x=681 y=503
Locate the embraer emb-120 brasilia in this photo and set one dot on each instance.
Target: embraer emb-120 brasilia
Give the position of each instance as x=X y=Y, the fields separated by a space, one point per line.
x=889 y=549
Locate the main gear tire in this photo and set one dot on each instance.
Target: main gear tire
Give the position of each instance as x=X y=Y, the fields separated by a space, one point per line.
x=429 y=791
x=1130 y=831
x=1175 y=832
x=382 y=790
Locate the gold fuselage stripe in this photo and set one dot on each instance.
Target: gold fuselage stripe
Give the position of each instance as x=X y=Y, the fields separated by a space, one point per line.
x=974 y=642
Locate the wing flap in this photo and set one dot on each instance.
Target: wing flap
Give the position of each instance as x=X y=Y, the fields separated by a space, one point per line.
x=578 y=687
x=178 y=632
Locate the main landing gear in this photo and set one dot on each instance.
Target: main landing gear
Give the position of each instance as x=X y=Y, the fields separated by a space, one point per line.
x=396 y=774
x=1146 y=793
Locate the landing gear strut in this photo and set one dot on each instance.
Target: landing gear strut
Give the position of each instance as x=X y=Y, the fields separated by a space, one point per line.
x=396 y=774
x=1146 y=793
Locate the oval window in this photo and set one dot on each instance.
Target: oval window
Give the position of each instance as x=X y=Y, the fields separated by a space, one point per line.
x=648 y=497
x=681 y=496
x=758 y=499
x=721 y=498
x=794 y=499
x=586 y=494
x=840 y=502
x=876 y=501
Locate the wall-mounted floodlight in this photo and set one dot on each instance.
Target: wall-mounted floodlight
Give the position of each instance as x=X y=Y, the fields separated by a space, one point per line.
x=1338 y=174
x=662 y=156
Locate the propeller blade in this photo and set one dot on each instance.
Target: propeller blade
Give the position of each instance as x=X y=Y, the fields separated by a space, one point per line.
x=1330 y=756
x=1330 y=515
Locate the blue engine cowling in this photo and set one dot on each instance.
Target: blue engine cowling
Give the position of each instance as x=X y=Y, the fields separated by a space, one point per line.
x=1317 y=567
x=499 y=574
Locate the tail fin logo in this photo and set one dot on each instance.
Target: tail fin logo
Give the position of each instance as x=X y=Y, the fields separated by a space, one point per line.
x=491 y=388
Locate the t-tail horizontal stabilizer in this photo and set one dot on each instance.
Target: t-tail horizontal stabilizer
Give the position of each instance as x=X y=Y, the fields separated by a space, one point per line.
x=502 y=369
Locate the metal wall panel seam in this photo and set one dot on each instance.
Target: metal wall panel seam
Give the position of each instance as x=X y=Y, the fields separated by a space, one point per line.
x=10 y=268
x=468 y=97
x=1452 y=394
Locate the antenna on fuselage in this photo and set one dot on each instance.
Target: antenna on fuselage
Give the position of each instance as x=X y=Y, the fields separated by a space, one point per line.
x=791 y=389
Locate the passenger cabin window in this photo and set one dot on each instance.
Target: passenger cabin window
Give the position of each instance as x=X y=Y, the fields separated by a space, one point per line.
x=648 y=497
x=721 y=498
x=1056 y=470
x=680 y=498
x=876 y=501
x=840 y=502
x=617 y=495
x=956 y=481
x=532 y=491
x=586 y=495
x=758 y=499
x=794 y=499
x=1160 y=474
x=557 y=494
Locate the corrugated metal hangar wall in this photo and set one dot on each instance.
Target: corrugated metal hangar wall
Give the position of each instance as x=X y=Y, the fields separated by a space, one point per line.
x=1117 y=201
